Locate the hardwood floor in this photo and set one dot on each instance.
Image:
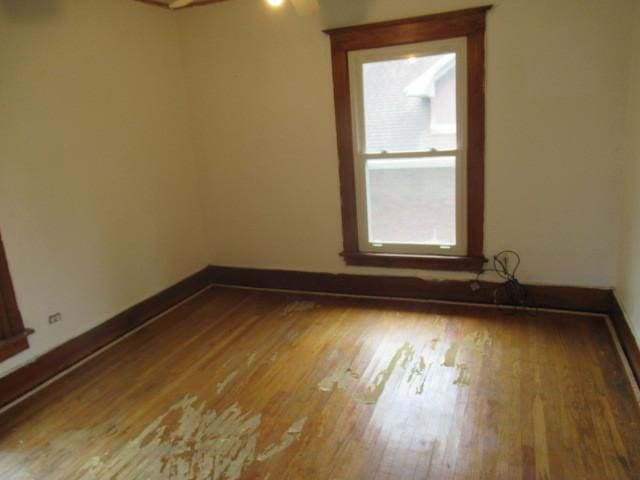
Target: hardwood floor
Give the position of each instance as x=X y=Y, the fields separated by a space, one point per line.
x=263 y=385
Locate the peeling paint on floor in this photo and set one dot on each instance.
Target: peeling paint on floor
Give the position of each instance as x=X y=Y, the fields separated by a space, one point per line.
x=191 y=441
x=403 y=357
x=464 y=379
x=251 y=359
x=372 y=394
x=287 y=439
x=451 y=354
x=299 y=306
x=419 y=372
x=420 y=388
x=516 y=370
x=408 y=353
x=343 y=377
x=223 y=384
x=418 y=369
x=477 y=341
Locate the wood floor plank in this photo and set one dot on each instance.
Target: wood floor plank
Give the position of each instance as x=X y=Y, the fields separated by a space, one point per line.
x=263 y=385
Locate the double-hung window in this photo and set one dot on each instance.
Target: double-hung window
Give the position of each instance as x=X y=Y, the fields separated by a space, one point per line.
x=408 y=105
x=409 y=101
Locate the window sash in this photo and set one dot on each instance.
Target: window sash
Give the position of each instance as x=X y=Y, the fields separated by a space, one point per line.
x=410 y=248
x=357 y=59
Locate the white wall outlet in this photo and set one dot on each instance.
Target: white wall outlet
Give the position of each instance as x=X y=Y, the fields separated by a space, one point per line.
x=55 y=318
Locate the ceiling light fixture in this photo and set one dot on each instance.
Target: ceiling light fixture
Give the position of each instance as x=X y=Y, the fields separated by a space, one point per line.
x=275 y=3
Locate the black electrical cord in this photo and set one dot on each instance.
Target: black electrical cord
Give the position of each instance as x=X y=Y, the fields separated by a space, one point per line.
x=510 y=296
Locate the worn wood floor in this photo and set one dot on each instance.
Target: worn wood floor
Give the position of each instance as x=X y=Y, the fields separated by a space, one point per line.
x=263 y=385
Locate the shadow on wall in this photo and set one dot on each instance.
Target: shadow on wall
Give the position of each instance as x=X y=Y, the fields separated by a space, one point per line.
x=341 y=13
x=29 y=10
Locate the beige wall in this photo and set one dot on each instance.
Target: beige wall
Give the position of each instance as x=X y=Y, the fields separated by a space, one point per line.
x=97 y=203
x=261 y=97
x=628 y=287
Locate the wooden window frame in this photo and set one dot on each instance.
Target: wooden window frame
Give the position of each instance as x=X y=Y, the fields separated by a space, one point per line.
x=469 y=23
x=13 y=335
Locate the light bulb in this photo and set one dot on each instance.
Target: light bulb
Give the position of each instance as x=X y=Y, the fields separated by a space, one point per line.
x=275 y=3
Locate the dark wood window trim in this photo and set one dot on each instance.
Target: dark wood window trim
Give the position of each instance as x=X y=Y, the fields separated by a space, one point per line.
x=468 y=23
x=13 y=335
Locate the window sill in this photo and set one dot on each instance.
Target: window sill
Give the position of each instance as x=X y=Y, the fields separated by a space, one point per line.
x=14 y=345
x=425 y=262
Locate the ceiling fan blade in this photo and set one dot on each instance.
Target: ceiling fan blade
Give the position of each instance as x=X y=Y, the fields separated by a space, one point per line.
x=180 y=3
x=306 y=7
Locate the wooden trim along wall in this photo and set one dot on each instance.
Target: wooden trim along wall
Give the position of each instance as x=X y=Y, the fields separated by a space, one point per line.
x=13 y=335
x=562 y=298
x=626 y=337
x=50 y=364
x=20 y=381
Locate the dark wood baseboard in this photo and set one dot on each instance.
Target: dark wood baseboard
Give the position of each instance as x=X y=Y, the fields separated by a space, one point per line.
x=562 y=298
x=626 y=337
x=55 y=361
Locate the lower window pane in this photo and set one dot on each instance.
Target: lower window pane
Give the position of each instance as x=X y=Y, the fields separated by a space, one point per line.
x=412 y=201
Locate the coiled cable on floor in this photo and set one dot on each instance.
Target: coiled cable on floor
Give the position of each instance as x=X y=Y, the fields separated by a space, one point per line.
x=510 y=296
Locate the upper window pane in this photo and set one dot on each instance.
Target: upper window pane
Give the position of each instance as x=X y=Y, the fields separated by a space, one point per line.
x=410 y=104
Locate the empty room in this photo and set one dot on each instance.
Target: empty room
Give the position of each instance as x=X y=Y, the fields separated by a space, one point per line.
x=319 y=239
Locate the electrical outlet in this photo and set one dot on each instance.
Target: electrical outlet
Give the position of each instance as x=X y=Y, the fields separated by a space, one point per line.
x=55 y=318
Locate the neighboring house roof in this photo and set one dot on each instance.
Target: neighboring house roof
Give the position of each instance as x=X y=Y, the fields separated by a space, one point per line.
x=398 y=122
x=425 y=85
